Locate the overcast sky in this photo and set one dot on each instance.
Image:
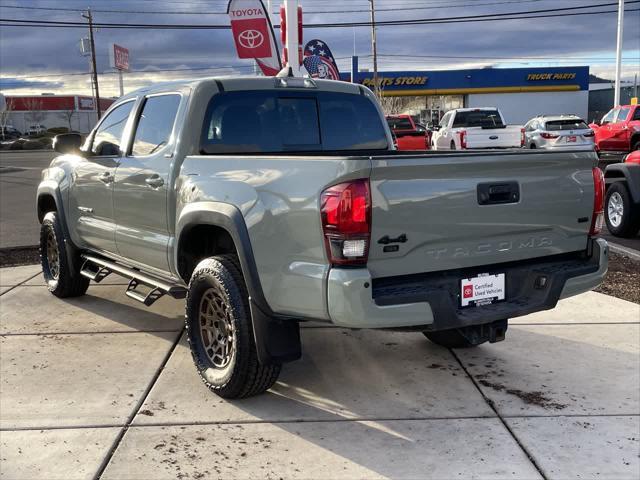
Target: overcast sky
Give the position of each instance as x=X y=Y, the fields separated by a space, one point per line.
x=35 y=60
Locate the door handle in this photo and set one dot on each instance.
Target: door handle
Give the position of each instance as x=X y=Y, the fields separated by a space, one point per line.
x=106 y=177
x=154 y=181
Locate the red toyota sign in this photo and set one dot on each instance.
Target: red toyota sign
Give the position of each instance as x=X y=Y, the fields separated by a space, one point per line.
x=119 y=57
x=252 y=37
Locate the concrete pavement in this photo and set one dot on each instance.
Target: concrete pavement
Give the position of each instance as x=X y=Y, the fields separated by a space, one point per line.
x=101 y=387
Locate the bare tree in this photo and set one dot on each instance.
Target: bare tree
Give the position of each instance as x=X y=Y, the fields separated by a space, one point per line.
x=4 y=116
x=68 y=116
x=34 y=106
x=391 y=105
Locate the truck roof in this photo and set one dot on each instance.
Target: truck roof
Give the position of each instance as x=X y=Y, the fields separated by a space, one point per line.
x=474 y=109
x=234 y=83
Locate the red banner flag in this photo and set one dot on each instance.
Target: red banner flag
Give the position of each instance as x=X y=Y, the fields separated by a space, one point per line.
x=253 y=34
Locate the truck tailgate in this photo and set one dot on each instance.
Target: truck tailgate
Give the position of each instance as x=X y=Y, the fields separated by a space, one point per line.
x=434 y=201
x=507 y=137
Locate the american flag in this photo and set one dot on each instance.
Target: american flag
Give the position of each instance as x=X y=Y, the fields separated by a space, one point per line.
x=319 y=61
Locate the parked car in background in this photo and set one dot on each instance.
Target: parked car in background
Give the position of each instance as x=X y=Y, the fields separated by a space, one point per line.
x=408 y=134
x=9 y=132
x=622 y=201
x=558 y=131
x=472 y=128
x=36 y=129
x=618 y=132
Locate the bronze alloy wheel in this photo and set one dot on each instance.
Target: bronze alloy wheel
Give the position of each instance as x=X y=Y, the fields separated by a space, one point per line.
x=53 y=257
x=217 y=329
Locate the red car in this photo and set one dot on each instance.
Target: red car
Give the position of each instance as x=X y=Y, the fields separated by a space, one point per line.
x=408 y=134
x=619 y=130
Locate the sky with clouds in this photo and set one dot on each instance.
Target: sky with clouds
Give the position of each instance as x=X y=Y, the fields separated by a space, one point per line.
x=35 y=60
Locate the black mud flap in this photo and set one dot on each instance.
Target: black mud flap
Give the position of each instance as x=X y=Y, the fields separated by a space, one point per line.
x=489 y=332
x=277 y=341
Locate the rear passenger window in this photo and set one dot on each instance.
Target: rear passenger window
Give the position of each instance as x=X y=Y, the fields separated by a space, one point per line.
x=155 y=124
x=267 y=122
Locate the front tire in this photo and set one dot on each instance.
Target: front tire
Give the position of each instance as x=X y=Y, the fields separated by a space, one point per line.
x=621 y=215
x=62 y=278
x=220 y=332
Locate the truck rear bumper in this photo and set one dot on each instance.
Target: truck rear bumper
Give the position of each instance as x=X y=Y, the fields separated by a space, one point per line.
x=431 y=301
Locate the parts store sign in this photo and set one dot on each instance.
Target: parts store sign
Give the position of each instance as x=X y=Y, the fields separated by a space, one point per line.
x=250 y=31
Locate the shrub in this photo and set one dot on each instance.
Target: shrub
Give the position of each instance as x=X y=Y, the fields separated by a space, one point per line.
x=16 y=145
x=32 y=145
x=58 y=130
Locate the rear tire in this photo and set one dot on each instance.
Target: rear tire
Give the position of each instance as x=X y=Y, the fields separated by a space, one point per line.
x=453 y=145
x=532 y=146
x=636 y=145
x=220 y=331
x=620 y=213
x=63 y=280
x=449 y=339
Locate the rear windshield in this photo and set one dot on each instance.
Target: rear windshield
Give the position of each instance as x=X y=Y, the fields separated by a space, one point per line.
x=399 y=123
x=569 y=124
x=478 y=118
x=276 y=122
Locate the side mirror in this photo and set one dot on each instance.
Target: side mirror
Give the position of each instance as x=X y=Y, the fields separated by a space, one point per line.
x=436 y=127
x=67 y=143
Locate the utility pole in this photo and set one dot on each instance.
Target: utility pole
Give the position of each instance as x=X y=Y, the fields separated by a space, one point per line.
x=376 y=85
x=616 y=94
x=94 y=69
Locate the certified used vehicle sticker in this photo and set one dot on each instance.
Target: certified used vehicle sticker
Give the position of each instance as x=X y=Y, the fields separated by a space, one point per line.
x=482 y=290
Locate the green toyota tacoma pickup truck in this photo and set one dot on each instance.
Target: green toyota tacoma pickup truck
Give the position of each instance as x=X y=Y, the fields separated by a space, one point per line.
x=266 y=202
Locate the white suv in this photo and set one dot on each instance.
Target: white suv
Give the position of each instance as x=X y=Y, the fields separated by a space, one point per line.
x=558 y=131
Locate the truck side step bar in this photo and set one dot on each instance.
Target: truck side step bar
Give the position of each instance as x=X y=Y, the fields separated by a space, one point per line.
x=97 y=269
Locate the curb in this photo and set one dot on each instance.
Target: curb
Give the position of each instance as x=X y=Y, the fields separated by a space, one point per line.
x=627 y=252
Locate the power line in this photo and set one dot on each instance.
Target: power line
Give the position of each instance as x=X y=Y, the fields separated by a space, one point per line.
x=423 y=21
x=169 y=12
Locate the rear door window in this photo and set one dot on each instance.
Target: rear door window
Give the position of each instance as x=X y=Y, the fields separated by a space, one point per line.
x=399 y=123
x=155 y=124
x=268 y=122
x=623 y=114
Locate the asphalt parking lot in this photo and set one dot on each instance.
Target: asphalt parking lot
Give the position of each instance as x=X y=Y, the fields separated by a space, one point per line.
x=101 y=387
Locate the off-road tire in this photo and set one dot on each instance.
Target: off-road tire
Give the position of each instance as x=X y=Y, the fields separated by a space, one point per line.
x=449 y=339
x=57 y=272
x=243 y=375
x=630 y=223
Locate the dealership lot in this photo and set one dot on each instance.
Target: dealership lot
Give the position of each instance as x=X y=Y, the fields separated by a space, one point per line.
x=100 y=385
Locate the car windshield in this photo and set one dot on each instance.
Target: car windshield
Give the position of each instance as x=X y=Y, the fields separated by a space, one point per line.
x=568 y=124
x=478 y=118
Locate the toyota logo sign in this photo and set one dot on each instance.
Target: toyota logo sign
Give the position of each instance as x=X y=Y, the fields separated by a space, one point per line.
x=251 y=39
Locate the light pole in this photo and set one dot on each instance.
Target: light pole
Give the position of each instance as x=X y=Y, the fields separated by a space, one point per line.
x=616 y=94
x=376 y=86
x=94 y=69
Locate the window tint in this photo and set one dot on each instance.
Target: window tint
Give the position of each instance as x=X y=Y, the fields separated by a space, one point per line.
x=109 y=134
x=264 y=121
x=155 y=124
x=608 y=118
x=396 y=123
x=478 y=118
x=624 y=113
x=568 y=124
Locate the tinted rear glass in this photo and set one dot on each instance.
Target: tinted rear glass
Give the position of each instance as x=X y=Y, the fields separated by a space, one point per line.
x=478 y=118
x=275 y=122
x=399 y=124
x=569 y=124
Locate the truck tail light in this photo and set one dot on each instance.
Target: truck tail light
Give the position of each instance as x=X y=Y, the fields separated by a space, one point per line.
x=590 y=133
x=548 y=135
x=463 y=139
x=345 y=211
x=522 y=137
x=597 y=217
